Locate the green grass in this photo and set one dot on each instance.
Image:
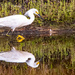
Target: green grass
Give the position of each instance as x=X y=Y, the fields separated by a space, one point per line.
x=57 y=13
x=41 y=46
x=53 y=12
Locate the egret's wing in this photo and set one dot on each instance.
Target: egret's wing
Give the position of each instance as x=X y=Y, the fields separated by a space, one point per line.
x=11 y=56
x=13 y=21
x=15 y=56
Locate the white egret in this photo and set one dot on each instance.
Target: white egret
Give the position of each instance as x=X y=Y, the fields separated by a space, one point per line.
x=17 y=56
x=15 y=21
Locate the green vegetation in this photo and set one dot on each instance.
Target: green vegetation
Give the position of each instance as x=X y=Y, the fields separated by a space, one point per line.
x=54 y=12
x=58 y=51
x=40 y=46
x=47 y=46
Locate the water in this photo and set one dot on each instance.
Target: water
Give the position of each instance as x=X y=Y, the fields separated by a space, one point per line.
x=58 y=55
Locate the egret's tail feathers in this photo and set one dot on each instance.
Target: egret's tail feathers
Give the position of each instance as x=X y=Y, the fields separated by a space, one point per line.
x=1 y=25
x=1 y=56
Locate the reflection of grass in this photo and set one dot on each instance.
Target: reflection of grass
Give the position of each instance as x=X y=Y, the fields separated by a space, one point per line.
x=19 y=69
x=57 y=12
x=39 y=47
x=43 y=46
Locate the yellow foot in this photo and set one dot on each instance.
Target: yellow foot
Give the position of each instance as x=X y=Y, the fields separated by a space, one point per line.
x=7 y=35
x=20 y=38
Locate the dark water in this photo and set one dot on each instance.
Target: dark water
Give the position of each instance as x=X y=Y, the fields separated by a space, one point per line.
x=58 y=55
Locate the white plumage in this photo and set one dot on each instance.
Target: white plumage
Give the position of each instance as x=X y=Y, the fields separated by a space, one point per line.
x=15 y=21
x=17 y=56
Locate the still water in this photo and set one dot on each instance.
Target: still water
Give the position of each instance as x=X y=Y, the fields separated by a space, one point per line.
x=58 y=55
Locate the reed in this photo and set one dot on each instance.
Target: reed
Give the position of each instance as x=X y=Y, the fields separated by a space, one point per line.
x=50 y=47
x=57 y=60
x=52 y=11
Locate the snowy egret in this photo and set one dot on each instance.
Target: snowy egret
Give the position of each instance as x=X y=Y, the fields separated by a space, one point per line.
x=17 y=56
x=15 y=21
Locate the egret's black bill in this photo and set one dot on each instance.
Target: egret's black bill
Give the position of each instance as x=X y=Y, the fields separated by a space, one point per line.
x=41 y=59
x=40 y=16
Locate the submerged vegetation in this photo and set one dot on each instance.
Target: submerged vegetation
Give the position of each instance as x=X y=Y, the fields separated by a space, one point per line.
x=53 y=11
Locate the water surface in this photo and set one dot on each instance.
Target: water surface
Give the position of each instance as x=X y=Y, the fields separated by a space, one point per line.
x=58 y=55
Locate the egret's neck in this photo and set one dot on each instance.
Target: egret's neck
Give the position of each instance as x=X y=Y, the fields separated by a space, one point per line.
x=32 y=17
x=32 y=64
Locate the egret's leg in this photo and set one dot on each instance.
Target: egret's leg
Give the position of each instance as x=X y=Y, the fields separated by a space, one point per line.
x=7 y=33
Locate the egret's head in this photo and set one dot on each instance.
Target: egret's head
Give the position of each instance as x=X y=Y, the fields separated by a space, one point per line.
x=33 y=11
x=36 y=64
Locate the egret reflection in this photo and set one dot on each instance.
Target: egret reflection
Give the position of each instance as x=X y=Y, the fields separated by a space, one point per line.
x=16 y=56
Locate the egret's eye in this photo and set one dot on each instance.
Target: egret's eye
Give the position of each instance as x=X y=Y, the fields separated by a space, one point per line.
x=36 y=12
x=28 y=59
x=37 y=63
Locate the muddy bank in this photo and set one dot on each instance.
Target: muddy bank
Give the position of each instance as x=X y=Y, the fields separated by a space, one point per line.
x=38 y=31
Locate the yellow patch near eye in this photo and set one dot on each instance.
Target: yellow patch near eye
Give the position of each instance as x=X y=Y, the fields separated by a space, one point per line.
x=37 y=12
x=37 y=63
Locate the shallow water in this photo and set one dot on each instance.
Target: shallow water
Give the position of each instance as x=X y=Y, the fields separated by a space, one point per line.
x=58 y=55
